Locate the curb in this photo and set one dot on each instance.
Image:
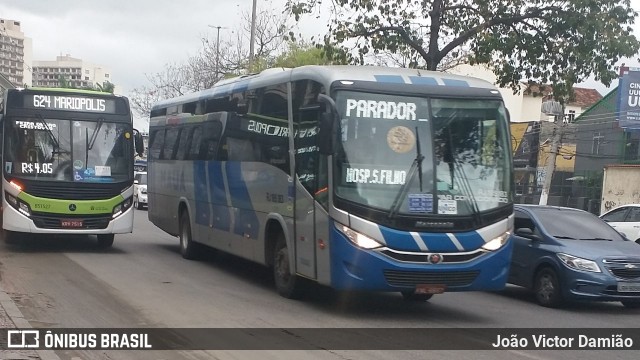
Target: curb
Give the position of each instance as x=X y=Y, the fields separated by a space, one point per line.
x=15 y=315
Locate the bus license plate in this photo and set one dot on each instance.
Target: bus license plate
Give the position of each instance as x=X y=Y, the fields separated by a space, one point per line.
x=628 y=287
x=430 y=289
x=71 y=223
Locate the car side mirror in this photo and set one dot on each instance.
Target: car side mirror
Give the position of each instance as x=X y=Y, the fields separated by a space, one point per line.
x=527 y=233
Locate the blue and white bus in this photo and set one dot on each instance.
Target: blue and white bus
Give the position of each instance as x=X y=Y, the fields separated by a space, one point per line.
x=362 y=178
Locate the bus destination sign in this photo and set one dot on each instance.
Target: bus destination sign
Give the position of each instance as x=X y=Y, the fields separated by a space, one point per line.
x=70 y=103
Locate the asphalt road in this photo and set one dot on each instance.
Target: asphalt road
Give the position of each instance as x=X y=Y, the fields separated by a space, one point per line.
x=144 y=282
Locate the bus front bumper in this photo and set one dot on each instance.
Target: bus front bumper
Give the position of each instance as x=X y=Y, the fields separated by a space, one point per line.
x=354 y=268
x=16 y=221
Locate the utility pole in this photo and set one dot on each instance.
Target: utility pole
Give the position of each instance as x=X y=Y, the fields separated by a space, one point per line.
x=557 y=109
x=252 y=38
x=217 y=50
x=551 y=164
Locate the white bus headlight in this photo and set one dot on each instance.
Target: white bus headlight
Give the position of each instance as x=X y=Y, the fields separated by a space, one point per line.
x=577 y=263
x=358 y=239
x=122 y=207
x=497 y=242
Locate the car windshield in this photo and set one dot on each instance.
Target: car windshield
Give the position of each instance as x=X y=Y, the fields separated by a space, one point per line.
x=416 y=155
x=142 y=179
x=574 y=224
x=67 y=150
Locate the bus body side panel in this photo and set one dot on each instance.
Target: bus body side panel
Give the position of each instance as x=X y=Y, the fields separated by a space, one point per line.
x=356 y=268
x=323 y=246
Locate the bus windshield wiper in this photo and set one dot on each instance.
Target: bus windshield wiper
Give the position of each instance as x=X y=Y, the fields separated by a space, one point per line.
x=94 y=136
x=56 y=144
x=416 y=165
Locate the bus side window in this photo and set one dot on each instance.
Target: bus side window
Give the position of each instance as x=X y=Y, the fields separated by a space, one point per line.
x=209 y=143
x=156 y=144
x=183 y=143
x=196 y=137
x=169 y=150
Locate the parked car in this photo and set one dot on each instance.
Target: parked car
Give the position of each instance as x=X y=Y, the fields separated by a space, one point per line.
x=568 y=254
x=140 y=190
x=625 y=219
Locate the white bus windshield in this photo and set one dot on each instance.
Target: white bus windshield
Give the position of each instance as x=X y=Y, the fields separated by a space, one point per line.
x=464 y=142
x=67 y=150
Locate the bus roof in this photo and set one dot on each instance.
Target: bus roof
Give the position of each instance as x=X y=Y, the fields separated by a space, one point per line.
x=328 y=75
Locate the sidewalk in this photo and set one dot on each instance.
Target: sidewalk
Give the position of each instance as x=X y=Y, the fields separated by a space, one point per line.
x=11 y=318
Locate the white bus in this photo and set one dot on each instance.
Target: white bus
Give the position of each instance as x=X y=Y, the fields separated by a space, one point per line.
x=67 y=163
x=365 y=178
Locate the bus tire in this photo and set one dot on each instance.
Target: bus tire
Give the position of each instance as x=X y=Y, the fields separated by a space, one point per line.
x=105 y=240
x=287 y=285
x=188 y=248
x=410 y=295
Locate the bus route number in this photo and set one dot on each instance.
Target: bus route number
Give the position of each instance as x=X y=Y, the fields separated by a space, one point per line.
x=42 y=101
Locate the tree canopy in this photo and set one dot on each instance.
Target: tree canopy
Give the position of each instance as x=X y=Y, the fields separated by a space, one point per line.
x=558 y=42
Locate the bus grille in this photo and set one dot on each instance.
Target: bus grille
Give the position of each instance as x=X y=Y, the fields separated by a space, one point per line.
x=424 y=257
x=413 y=278
x=48 y=221
x=74 y=192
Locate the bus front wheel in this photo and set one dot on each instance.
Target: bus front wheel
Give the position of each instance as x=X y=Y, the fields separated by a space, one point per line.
x=105 y=240
x=288 y=285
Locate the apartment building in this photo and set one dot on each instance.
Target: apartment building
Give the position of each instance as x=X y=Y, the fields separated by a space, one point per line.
x=15 y=53
x=77 y=72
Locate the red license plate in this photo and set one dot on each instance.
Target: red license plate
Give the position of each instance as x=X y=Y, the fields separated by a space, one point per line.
x=430 y=289
x=71 y=223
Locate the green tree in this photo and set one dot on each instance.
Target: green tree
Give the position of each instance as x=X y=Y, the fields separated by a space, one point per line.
x=64 y=83
x=107 y=87
x=545 y=41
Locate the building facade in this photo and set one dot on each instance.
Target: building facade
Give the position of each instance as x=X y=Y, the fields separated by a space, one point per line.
x=76 y=72
x=15 y=53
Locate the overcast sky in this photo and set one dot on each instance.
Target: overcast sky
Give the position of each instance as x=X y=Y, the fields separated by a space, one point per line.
x=138 y=37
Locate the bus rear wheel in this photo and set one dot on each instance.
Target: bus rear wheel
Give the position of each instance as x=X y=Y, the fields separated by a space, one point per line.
x=188 y=248
x=105 y=240
x=288 y=285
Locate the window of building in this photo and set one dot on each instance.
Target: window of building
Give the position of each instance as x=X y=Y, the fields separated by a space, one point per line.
x=106 y=75
x=86 y=71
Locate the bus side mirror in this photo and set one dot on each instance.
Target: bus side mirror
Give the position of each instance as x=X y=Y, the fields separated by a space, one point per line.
x=327 y=126
x=138 y=142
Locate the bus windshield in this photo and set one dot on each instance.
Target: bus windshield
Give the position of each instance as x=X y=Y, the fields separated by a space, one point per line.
x=458 y=147
x=49 y=149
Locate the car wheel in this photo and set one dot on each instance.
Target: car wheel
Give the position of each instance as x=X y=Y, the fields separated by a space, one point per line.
x=410 y=295
x=138 y=205
x=547 y=288
x=631 y=304
x=288 y=285
x=105 y=240
x=187 y=245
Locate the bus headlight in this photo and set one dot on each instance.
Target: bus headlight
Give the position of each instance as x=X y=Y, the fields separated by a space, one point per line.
x=497 y=242
x=18 y=204
x=358 y=239
x=122 y=207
